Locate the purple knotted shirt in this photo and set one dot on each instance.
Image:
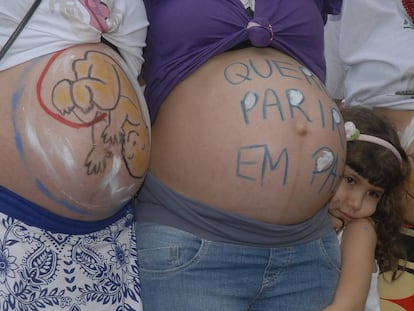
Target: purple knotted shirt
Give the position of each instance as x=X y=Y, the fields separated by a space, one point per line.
x=184 y=34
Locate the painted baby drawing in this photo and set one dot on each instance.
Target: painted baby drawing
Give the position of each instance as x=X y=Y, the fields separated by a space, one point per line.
x=99 y=97
x=95 y=147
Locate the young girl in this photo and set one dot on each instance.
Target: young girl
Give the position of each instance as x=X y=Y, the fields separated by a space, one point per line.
x=367 y=208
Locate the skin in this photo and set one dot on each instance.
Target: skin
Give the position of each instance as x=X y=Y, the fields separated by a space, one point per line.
x=264 y=140
x=353 y=203
x=75 y=138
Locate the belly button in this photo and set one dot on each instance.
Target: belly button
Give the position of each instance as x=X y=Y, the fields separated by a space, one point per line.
x=301 y=128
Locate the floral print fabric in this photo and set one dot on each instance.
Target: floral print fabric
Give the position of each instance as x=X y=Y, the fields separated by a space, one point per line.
x=41 y=270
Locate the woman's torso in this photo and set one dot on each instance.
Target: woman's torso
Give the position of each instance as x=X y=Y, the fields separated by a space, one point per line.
x=74 y=132
x=251 y=132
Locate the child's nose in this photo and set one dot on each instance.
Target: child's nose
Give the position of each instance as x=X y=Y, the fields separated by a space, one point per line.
x=355 y=201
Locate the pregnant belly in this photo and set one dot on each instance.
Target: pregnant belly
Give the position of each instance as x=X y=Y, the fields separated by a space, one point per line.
x=81 y=132
x=251 y=132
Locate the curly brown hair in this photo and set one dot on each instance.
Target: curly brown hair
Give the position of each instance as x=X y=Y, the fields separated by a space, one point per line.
x=381 y=168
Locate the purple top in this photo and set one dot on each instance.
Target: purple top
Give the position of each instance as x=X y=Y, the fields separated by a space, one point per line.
x=184 y=34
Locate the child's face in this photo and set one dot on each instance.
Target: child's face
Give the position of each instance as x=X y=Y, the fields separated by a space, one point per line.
x=355 y=197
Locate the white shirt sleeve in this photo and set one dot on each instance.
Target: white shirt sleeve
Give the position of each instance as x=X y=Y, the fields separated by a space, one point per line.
x=335 y=69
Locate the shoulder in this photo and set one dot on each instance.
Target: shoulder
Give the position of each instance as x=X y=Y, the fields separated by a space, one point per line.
x=363 y=228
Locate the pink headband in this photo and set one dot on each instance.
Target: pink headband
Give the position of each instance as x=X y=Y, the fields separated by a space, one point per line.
x=352 y=134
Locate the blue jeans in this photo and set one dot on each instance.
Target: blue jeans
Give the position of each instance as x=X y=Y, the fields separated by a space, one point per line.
x=182 y=272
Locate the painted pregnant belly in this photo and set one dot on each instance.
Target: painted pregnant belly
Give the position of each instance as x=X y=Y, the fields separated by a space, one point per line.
x=86 y=141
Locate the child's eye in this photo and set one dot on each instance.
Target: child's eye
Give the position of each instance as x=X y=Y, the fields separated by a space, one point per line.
x=374 y=194
x=349 y=180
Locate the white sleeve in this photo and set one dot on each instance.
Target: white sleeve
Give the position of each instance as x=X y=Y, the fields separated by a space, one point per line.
x=335 y=69
x=130 y=34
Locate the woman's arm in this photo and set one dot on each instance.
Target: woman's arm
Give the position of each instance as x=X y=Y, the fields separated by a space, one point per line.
x=358 y=263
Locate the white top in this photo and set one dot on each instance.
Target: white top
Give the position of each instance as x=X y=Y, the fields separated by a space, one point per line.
x=249 y=4
x=56 y=25
x=373 y=299
x=369 y=53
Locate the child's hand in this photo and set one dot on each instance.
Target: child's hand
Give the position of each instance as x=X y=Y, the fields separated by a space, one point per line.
x=337 y=223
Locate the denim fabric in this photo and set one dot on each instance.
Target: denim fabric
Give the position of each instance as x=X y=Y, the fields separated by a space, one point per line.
x=158 y=203
x=182 y=272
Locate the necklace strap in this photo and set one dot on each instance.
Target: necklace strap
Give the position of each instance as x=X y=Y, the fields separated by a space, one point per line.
x=19 y=28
